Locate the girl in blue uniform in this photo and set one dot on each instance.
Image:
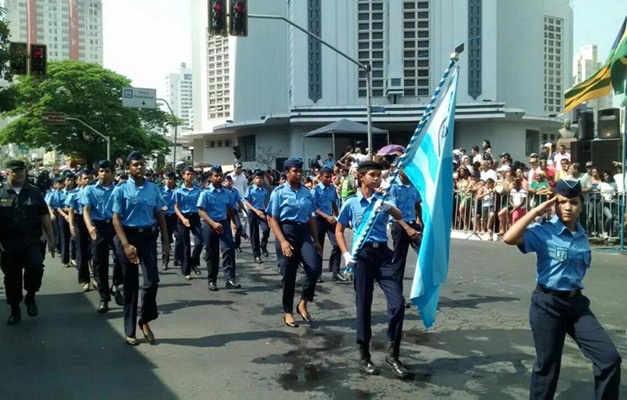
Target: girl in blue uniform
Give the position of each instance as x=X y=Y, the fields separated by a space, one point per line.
x=558 y=306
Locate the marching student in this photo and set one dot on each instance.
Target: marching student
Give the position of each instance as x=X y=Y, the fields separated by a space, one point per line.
x=237 y=226
x=256 y=200
x=289 y=215
x=171 y=219
x=216 y=207
x=558 y=306
x=373 y=263
x=78 y=229
x=137 y=203
x=185 y=200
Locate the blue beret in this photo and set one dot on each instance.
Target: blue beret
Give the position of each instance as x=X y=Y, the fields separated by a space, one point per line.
x=105 y=164
x=171 y=175
x=259 y=172
x=58 y=180
x=188 y=168
x=293 y=163
x=568 y=188
x=325 y=170
x=67 y=172
x=134 y=155
x=215 y=168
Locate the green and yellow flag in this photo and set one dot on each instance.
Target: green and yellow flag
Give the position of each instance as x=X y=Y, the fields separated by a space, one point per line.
x=612 y=74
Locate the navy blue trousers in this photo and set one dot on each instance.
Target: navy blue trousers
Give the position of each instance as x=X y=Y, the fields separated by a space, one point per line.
x=101 y=247
x=326 y=229
x=191 y=255
x=551 y=318
x=375 y=264
x=254 y=225
x=213 y=241
x=171 y=222
x=401 y=243
x=82 y=251
x=147 y=252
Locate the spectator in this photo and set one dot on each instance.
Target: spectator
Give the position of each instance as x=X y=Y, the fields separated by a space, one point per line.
x=464 y=196
x=485 y=171
x=539 y=189
x=329 y=162
x=486 y=217
x=608 y=189
x=534 y=168
x=476 y=156
x=487 y=150
x=358 y=157
x=518 y=201
x=561 y=154
x=562 y=172
x=547 y=152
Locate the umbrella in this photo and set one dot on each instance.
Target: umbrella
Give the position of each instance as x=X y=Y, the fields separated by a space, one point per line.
x=390 y=149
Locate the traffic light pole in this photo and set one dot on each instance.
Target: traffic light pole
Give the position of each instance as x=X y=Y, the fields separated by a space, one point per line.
x=365 y=67
x=175 y=132
x=105 y=137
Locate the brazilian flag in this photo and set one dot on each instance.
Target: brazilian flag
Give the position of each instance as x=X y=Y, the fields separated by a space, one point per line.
x=612 y=74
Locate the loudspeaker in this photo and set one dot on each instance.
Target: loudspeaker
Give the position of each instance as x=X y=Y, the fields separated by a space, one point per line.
x=609 y=123
x=586 y=125
x=601 y=152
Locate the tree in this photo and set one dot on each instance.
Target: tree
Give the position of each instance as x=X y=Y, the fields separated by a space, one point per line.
x=266 y=155
x=92 y=94
x=6 y=95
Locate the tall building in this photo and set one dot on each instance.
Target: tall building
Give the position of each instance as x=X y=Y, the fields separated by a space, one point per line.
x=180 y=96
x=264 y=91
x=586 y=64
x=72 y=29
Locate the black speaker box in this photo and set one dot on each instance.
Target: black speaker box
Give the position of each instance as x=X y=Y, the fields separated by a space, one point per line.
x=608 y=122
x=601 y=152
x=586 y=125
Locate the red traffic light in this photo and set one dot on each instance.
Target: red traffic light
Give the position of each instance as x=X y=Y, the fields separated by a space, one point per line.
x=240 y=7
x=217 y=6
x=38 y=52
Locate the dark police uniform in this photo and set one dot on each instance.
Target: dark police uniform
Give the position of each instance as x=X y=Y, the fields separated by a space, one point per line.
x=137 y=207
x=406 y=198
x=216 y=202
x=292 y=209
x=20 y=243
x=186 y=199
x=258 y=198
x=558 y=306
x=325 y=200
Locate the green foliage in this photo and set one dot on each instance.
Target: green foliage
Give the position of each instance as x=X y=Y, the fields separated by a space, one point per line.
x=4 y=46
x=92 y=94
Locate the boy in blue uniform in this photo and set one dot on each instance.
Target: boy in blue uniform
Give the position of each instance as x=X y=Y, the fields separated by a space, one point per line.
x=373 y=263
x=78 y=229
x=215 y=206
x=256 y=200
x=558 y=306
x=136 y=204
x=290 y=217
x=185 y=200
x=171 y=220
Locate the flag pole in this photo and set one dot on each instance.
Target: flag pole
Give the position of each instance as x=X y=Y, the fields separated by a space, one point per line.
x=403 y=159
x=622 y=196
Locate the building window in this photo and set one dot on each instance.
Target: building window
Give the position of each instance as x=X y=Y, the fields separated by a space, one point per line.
x=416 y=47
x=474 y=48
x=553 y=47
x=370 y=42
x=218 y=72
x=314 y=56
x=247 y=147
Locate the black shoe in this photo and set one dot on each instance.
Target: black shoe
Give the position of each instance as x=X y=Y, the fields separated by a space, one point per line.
x=148 y=335
x=366 y=365
x=265 y=252
x=213 y=287
x=118 y=296
x=103 y=307
x=339 y=277
x=177 y=263
x=31 y=309
x=164 y=267
x=391 y=359
x=258 y=260
x=232 y=284
x=238 y=249
x=16 y=316
x=196 y=270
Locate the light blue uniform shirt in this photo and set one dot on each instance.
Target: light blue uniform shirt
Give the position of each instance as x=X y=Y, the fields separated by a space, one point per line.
x=72 y=200
x=235 y=197
x=562 y=256
x=137 y=204
x=57 y=200
x=48 y=197
x=324 y=197
x=168 y=196
x=405 y=197
x=187 y=198
x=97 y=198
x=287 y=204
x=353 y=211
x=215 y=202
x=257 y=196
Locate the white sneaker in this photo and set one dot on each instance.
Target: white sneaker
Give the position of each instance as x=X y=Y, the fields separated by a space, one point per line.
x=188 y=277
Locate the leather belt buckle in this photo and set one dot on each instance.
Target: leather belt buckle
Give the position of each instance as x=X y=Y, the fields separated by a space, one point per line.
x=375 y=245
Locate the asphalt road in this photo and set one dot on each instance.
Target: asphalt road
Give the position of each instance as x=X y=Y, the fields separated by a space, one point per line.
x=232 y=344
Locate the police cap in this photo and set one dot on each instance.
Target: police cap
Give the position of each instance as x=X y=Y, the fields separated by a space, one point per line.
x=134 y=156
x=171 y=175
x=15 y=164
x=293 y=163
x=568 y=188
x=215 y=169
x=188 y=168
x=105 y=164
x=326 y=170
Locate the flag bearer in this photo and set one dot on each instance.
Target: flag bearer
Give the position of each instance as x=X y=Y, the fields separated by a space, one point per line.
x=136 y=204
x=373 y=263
x=558 y=306
x=289 y=215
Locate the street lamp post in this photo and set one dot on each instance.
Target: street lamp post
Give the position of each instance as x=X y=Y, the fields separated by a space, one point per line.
x=175 y=132
x=105 y=137
x=365 y=67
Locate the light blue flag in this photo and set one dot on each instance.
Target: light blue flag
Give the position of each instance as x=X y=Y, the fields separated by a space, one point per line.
x=429 y=166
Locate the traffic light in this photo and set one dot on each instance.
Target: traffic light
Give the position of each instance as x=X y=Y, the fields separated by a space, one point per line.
x=38 y=59
x=236 y=152
x=239 y=18
x=217 y=17
x=18 y=58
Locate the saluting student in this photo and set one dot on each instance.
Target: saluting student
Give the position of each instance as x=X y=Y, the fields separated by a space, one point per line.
x=373 y=263
x=137 y=203
x=185 y=200
x=558 y=305
x=290 y=217
x=256 y=200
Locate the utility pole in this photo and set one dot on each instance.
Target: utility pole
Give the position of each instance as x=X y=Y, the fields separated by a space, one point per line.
x=105 y=137
x=175 y=132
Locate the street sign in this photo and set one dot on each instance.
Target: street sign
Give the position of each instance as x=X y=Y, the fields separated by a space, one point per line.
x=53 y=117
x=139 y=97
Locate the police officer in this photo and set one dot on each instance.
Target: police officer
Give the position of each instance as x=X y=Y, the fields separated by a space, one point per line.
x=23 y=214
x=406 y=231
x=290 y=217
x=373 y=263
x=78 y=229
x=136 y=204
x=185 y=200
x=98 y=215
x=256 y=200
x=558 y=306
x=325 y=204
x=216 y=206
x=171 y=220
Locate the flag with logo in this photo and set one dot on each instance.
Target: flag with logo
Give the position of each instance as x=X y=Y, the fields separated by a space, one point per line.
x=429 y=166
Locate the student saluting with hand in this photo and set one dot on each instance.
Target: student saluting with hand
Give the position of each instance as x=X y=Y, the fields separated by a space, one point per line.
x=558 y=306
